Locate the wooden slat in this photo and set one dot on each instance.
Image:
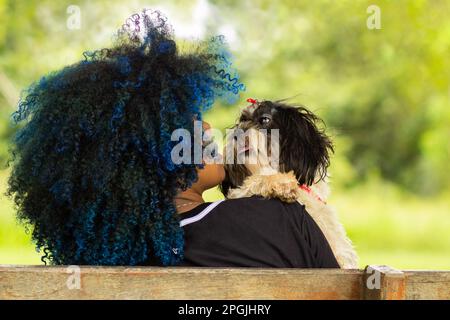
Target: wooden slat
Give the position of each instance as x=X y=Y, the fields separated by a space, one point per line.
x=27 y=282
x=433 y=285
x=40 y=282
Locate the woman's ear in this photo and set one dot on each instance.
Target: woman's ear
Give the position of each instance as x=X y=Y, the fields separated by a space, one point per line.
x=304 y=148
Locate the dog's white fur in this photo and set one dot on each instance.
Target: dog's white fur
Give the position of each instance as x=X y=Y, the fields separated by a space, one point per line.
x=272 y=184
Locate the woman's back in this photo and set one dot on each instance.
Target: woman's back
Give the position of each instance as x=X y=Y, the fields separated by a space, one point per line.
x=254 y=232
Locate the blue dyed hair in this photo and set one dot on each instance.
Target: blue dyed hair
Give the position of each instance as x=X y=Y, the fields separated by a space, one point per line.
x=92 y=173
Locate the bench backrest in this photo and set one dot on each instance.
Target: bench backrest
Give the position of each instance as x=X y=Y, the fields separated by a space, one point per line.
x=87 y=282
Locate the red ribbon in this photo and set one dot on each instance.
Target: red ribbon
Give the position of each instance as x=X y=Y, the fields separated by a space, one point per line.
x=253 y=102
x=309 y=191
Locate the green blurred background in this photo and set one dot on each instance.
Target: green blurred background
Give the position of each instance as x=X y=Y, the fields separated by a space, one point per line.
x=384 y=94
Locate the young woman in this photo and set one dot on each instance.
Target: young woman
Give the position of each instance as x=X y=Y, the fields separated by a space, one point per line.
x=92 y=172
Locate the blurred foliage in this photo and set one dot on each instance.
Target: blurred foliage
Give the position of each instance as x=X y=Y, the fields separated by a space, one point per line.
x=384 y=95
x=386 y=92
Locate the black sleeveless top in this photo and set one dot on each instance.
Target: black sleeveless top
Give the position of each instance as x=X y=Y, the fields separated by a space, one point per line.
x=254 y=232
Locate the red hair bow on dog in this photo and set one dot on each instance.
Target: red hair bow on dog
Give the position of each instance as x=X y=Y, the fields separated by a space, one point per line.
x=253 y=102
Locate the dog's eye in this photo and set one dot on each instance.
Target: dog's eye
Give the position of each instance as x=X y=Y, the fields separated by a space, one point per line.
x=265 y=120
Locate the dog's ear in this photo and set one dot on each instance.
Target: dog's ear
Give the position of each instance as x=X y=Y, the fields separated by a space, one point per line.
x=304 y=148
x=235 y=175
x=226 y=183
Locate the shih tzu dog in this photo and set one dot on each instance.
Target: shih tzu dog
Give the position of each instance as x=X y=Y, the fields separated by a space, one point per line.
x=299 y=172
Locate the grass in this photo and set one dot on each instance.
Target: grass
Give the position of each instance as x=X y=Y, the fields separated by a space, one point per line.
x=386 y=225
x=401 y=230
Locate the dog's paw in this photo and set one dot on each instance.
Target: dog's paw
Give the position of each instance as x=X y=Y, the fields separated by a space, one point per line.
x=280 y=185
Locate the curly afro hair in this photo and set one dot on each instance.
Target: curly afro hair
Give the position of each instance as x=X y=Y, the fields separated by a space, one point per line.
x=92 y=175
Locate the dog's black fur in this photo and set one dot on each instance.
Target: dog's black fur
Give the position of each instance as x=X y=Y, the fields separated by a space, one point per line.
x=304 y=147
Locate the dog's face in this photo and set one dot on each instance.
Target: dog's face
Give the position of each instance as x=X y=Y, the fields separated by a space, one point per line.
x=303 y=147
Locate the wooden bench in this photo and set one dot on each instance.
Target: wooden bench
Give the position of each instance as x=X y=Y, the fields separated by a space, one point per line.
x=87 y=282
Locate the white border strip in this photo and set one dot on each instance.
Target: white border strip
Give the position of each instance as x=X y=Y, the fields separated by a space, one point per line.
x=200 y=215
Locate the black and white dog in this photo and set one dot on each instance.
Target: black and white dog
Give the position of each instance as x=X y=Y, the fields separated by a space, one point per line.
x=301 y=171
